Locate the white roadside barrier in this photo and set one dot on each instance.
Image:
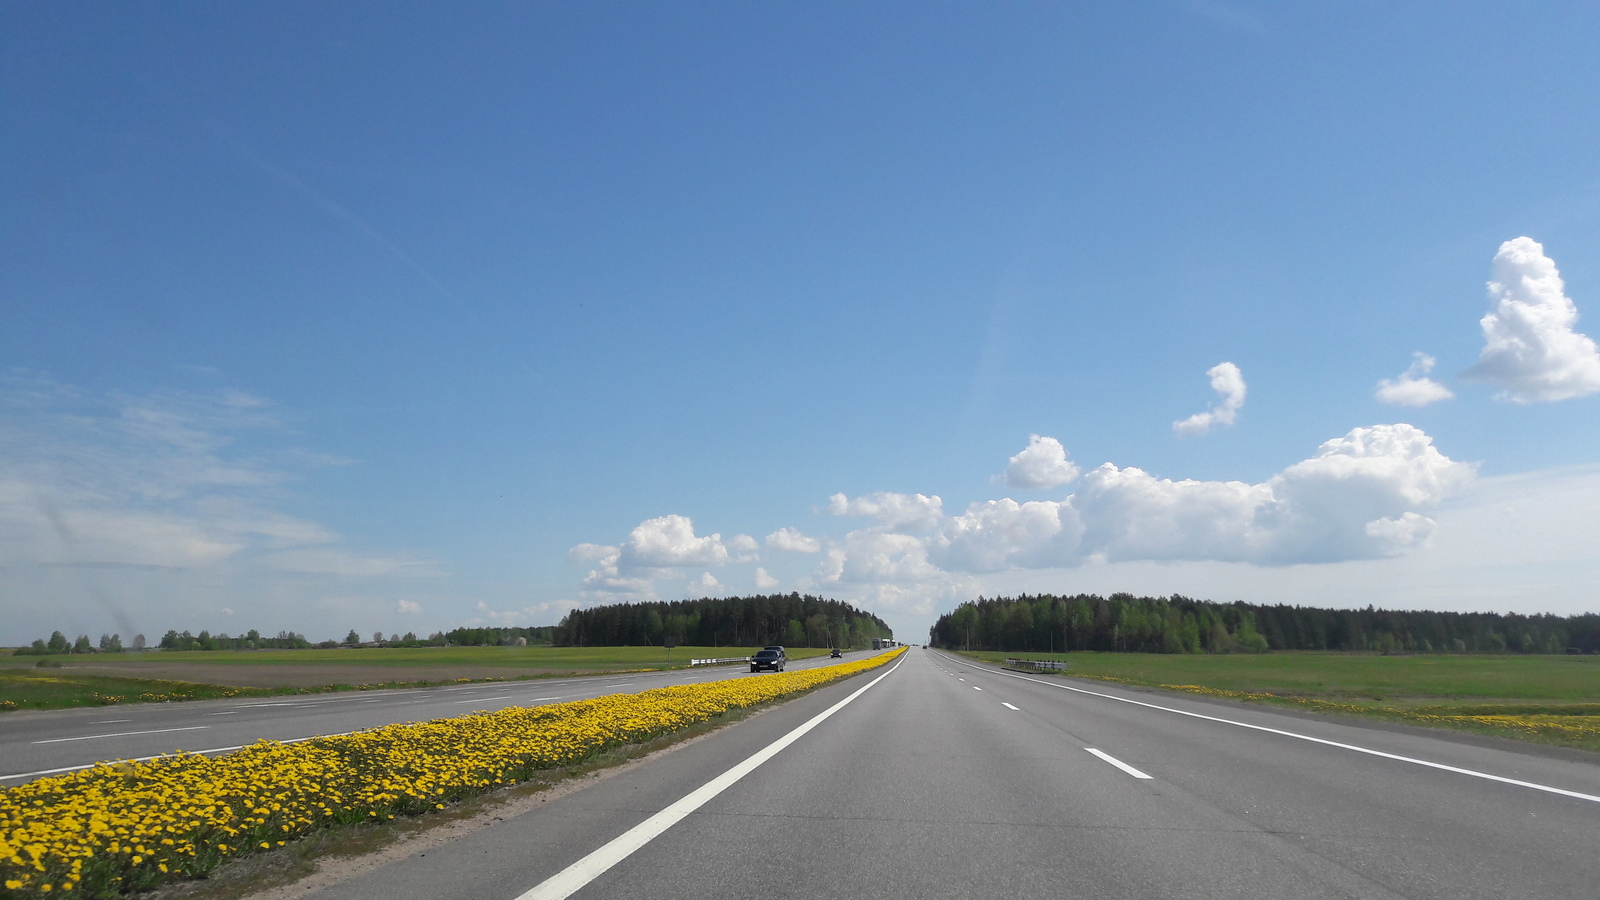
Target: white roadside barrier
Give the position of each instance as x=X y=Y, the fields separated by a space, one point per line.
x=719 y=661
x=1037 y=664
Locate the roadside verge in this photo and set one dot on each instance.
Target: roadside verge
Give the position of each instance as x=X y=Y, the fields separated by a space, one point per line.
x=126 y=827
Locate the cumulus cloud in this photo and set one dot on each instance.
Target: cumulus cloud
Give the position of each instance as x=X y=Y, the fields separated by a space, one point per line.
x=878 y=557
x=606 y=581
x=793 y=540
x=1361 y=496
x=1228 y=382
x=897 y=512
x=583 y=553
x=656 y=549
x=1041 y=465
x=1003 y=534
x=764 y=581
x=1530 y=348
x=705 y=586
x=669 y=541
x=407 y=606
x=1413 y=387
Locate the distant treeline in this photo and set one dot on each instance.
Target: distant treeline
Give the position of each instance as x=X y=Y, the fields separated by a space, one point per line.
x=58 y=643
x=789 y=619
x=289 y=640
x=1177 y=624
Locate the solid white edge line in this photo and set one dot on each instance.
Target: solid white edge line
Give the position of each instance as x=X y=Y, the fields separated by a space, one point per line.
x=1576 y=795
x=90 y=737
x=571 y=879
x=112 y=762
x=1117 y=762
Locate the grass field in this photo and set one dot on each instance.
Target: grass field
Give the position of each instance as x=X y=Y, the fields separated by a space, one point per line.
x=53 y=689
x=1551 y=699
x=104 y=678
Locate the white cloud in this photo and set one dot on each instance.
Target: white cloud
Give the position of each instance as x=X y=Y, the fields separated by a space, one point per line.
x=792 y=540
x=1362 y=496
x=548 y=613
x=1042 y=465
x=899 y=512
x=1228 y=382
x=144 y=507
x=407 y=607
x=705 y=586
x=876 y=557
x=589 y=552
x=655 y=550
x=1002 y=534
x=606 y=581
x=1530 y=348
x=668 y=541
x=159 y=481
x=1129 y=514
x=1413 y=387
x=1521 y=542
x=1350 y=501
x=1367 y=495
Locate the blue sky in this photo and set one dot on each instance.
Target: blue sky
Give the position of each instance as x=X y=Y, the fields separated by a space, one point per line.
x=327 y=315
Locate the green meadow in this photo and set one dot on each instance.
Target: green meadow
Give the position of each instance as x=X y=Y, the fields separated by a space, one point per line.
x=1550 y=699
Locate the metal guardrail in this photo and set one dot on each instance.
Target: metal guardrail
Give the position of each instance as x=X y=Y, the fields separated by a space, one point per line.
x=719 y=661
x=1038 y=663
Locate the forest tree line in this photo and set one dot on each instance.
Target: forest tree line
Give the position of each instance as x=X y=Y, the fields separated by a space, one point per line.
x=793 y=620
x=1177 y=624
x=58 y=643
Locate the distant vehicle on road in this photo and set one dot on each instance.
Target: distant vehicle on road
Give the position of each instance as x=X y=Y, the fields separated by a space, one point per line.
x=836 y=653
x=781 y=652
x=768 y=659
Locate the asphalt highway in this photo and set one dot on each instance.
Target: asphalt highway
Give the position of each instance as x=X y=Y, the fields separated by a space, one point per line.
x=946 y=779
x=38 y=743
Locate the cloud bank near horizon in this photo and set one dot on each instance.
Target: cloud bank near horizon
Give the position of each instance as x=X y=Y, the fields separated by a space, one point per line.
x=1364 y=495
x=174 y=506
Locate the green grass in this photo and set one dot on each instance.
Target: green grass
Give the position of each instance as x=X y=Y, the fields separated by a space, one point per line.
x=1351 y=677
x=55 y=689
x=1550 y=699
x=572 y=659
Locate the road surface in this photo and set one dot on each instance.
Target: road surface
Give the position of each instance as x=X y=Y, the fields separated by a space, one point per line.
x=38 y=743
x=949 y=779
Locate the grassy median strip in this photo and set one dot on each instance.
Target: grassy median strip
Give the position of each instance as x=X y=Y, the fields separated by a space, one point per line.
x=124 y=827
x=1544 y=699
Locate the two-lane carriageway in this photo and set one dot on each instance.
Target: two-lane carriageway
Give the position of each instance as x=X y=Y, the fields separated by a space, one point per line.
x=943 y=778
x=38 y=743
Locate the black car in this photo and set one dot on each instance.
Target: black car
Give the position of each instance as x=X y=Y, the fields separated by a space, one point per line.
x=769 y=658
x=837 y=653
